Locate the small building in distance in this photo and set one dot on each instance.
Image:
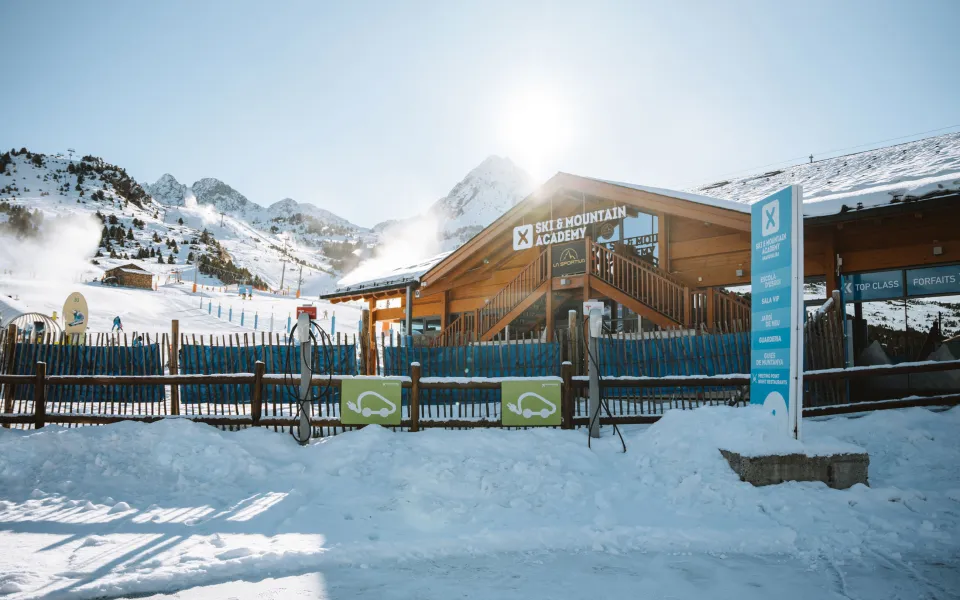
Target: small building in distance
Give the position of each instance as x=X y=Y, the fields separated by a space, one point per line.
x=129 y=275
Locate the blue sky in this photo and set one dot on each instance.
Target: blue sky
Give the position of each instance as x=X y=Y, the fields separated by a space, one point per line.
x=375 y=110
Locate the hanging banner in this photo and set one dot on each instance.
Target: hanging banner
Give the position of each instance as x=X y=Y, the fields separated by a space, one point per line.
x=866 y=287
x=568 y=259
x=373 y=401
x=563 y=229
x=525 y=403
x=75 y=314
x=933 y=281
x=776 y=263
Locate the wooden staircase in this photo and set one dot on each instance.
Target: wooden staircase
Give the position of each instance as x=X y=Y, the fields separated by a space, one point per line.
x=510 y=302
x=635 y=283
x=661 y=297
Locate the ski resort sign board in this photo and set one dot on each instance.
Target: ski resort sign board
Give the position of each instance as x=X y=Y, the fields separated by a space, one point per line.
x=528 y=402
x=75 y=314
x=776 y=261
x=563 y=229
x=373 y=401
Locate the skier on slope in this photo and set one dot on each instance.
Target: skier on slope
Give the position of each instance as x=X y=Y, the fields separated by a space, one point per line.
x=117 y=324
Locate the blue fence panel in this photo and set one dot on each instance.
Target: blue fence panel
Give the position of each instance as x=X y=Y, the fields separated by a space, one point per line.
x=196 y=359
x=64 y=359
x=675 y=356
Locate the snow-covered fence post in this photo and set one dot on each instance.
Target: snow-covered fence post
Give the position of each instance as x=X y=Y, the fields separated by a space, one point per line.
x=415 y=396
x=288 y=323
x=566 y=400
x=256 y=397
x=271 y=322
x=210 y=307
x=174 y=365
x=256 y=320
x=219 y=310
x=230 y=315
x=39 y=396
x=241 y=317
x=333 y=324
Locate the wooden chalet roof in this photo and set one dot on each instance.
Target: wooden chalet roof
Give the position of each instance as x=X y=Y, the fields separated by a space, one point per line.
x=655 y=200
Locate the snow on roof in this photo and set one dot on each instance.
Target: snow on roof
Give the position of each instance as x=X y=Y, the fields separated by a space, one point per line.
x=919 y=170
x=135 y=271
x=130 y=268
x=688 y=196
x=379 y=274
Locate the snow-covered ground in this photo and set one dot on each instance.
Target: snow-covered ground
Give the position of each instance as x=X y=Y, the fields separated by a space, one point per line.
x=148 y=311
x=133 y=509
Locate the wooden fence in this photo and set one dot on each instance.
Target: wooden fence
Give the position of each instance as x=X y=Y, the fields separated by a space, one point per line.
x=421 y=406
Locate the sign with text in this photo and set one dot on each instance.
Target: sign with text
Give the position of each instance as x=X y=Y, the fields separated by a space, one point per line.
x=776 y=262
x=563 y=229
x=866 y=287
x=528 y=402
x=568 y=259
x=930 y=281
x=374 y=401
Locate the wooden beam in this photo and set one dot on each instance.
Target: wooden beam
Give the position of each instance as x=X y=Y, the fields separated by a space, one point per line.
x=372 y=338
x=419 y=310
x=549 y=292
x=444 y=311
x=830 y=263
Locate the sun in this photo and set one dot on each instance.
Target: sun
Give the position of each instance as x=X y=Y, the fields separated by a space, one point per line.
x=536 y=126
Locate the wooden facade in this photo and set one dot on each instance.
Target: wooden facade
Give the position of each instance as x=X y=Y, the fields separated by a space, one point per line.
x=697 y=247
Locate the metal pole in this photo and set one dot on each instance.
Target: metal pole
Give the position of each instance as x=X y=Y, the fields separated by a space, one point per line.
x=593 y=406
x=409 y=315
x=306 y=356
x=196 y=268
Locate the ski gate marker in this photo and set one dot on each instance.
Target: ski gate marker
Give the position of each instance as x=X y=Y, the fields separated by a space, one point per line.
x=776 y=306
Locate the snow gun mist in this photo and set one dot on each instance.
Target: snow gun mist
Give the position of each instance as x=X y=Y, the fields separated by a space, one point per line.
x=401 y=246
x=41 y=247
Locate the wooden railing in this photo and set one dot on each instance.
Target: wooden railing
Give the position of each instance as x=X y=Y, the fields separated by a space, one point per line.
x=644 y=282
x=530 y=278
x=461 y=331
x=41 y=411
x=718 y=310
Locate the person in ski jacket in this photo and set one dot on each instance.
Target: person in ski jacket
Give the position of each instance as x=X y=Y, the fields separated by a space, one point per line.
x=138 y=342
x=117 y=324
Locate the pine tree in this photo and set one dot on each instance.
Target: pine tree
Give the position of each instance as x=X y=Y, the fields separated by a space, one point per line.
x=170 y=260
x=160 y=257
x=153 y=253
x=180 y=220
x=129 y=234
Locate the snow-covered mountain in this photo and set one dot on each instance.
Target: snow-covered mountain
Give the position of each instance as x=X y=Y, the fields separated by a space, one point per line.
x=81 y=217
x=311 y=224
x=484 y=194
x=487 y=191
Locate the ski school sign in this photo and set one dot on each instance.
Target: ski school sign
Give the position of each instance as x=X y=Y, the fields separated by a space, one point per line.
x=776 y=261
x=563 y=229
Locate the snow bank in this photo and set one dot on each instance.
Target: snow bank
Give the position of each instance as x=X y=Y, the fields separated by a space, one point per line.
x=133 y=508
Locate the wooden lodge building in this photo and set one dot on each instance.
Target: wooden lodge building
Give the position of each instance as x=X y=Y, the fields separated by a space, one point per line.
x=664 y=258
x=129 y=275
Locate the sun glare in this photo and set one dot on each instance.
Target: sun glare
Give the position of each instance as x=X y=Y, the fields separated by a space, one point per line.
x=536 y=130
